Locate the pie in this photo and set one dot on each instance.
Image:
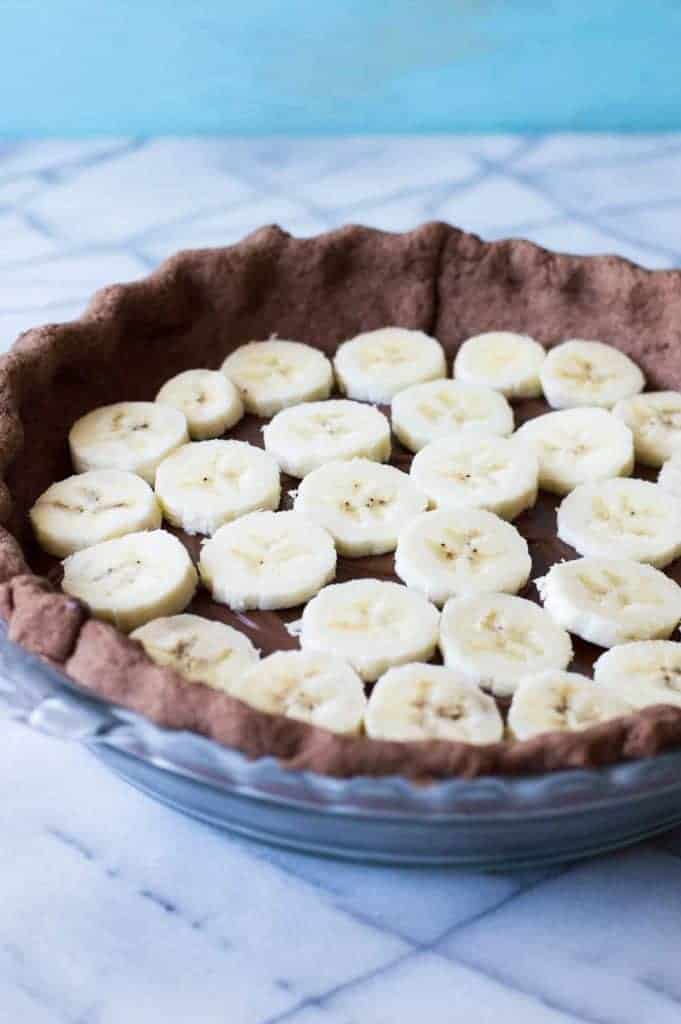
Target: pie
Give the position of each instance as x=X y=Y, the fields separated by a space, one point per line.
x=473 y=530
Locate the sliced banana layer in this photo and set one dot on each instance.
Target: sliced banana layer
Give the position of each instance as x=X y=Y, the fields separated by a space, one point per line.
x=577 y=446
x=267 y=560
x=609 y=601
x=622 y=519
x=311 y=687
x=310 y=435
x=642 y=673
x=429 y=702
x=89 y=508
x=374 y=366
x=133 y=436
x=496 y=640
x=495 y=473
x=502 y=360
x=445 y=554
x=362 y=505
x=669 y=478
x=203 y=485
x=588 y=373
x=440 y=408
x=372 y=624
x=132 y=579
x=209 y=400
x=561 y=702
x=655 y=421
x=271 y=375
x=200 y=649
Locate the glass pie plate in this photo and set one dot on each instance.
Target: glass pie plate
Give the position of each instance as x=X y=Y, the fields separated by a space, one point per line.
x=491 y=822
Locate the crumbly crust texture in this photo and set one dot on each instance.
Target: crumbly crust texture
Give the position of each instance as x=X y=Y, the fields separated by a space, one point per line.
x=194 y=310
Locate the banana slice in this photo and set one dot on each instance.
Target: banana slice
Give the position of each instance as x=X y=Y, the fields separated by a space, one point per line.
x=132 y=579
x=588 y=373
x=577 y=446
x=203 y=485
x=642 y=673
x=209 y=400
x=429 y=702
x=655 y=421
x=374 y=366
x=274 y=374
x=496 y=640
x=445 y=555
x=669 y=478
x=311 y=687
x=267 y=560
x=362 y=505
x=199 y=649
x=609 y=601
x=495 y=473
x=622 y=519
x=440 y=408
x=372 y=624
x=92 y=507
x=133 y=436
x=306 y=437
x=561 y=702
x=502 y=360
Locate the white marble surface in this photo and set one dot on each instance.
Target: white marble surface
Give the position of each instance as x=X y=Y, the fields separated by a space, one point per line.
x=114 y=909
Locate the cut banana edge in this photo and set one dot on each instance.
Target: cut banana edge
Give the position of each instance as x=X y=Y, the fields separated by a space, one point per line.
x=203 y=485
x=462 y=553
x=578 y=373
x=654 y=419
x=307 y=436
x=496 y=640
x=669 y=478
x=502 y=360
x=642 y=673
x=495 y=473
x=373 y=624
x=267 y=560
x=441 y=408
x=133 y=436
x=272 y=375
x=133 y=579
x=92 y=507
x=622 y=518
x=362 y=504
x=554 y=701
x=314 y=688
x=430 y=702
x=611 y=601
x=210 y=402
x=374 y=366
x=200 y=649
x=577 y=446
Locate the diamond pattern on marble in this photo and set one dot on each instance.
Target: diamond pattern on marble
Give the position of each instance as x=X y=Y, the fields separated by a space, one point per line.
x=118 y=199
x=223 y=227
x=595 y=188
x=425 y=987
x=594 y=923
x=88 y=202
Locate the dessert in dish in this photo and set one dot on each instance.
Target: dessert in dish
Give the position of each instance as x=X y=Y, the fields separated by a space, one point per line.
x=302 y=598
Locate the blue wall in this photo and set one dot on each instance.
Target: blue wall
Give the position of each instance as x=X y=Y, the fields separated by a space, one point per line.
x=307 y=66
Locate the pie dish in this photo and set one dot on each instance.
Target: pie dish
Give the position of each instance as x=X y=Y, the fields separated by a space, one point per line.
x=194 y=311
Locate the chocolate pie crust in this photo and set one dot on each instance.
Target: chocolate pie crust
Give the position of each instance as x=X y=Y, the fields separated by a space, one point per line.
x=200 y=305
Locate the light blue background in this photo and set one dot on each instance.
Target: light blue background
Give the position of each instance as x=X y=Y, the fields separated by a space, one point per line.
x=71 y=67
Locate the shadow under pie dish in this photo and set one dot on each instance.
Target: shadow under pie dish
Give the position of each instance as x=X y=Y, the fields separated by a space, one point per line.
x=195 y=310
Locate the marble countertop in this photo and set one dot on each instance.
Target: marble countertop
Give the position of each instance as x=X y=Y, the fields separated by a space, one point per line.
x=115 y=909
